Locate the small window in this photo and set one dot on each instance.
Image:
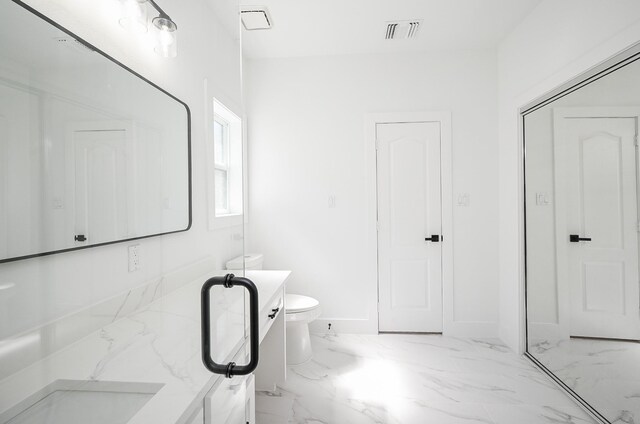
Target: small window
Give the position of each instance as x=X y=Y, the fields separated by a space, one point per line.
x=221 y=164
x=227 y=162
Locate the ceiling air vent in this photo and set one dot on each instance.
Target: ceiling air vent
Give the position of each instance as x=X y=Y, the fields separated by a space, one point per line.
x=403 y=29
x=255 y=17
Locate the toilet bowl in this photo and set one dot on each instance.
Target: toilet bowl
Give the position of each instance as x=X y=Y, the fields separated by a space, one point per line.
x=300 y=311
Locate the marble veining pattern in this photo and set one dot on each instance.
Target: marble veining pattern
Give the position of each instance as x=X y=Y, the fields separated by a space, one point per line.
x=18 y=351
x=157 y=344
x=389 y=379
x=605 y=373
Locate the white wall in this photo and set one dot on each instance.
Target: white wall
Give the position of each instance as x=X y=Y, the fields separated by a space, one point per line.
x=306 y=142
x=556 y=42
x=50 y=287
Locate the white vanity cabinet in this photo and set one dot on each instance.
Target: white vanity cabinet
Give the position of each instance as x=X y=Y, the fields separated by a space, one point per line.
x=233 y=402
x=230 y=400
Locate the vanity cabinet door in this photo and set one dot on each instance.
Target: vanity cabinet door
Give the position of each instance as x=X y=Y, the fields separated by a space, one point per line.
x=250 y=404
x=232 y=402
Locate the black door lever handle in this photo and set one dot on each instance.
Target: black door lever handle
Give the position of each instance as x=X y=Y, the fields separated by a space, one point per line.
x=574 y=238
x=435 y=238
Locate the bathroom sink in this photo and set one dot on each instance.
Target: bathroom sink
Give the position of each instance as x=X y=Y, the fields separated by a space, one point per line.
x=96 y=402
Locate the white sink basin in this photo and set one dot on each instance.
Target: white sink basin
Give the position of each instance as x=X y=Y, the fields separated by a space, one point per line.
x=95 y=402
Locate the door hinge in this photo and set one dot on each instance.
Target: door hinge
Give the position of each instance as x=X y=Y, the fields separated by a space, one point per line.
x=635 y=138
x=378 y=144
x=377 y=225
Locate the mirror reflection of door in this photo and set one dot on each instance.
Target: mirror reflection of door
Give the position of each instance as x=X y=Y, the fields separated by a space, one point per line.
x=101 y=185
x=597 y=221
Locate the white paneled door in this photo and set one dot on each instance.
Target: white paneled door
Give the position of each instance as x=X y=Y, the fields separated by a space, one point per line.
x=101 y=185
x=409 y=227
x=600 y=214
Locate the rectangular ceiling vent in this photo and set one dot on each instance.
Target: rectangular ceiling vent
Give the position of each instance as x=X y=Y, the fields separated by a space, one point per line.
x=255 y=17
x=397 y=30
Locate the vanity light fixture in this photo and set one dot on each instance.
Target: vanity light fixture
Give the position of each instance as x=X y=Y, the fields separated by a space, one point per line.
x=134 y=15
x=135 y=18
x=167 y=45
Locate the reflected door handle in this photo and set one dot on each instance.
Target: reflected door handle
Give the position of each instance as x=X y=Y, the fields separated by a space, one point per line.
x=574 y=238
x=80 y=237
x=434 y=238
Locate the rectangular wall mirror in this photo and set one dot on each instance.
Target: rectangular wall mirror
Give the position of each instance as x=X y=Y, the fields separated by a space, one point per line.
x=91 y=153
x=582 y=237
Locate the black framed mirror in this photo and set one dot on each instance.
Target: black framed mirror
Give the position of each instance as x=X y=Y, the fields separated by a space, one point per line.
x=582 y=223
x=91 y=153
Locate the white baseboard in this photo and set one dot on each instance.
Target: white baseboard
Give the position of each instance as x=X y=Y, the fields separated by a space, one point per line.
x=550 y=332
x=345 y=326
x=468 y=330
x=472 y=329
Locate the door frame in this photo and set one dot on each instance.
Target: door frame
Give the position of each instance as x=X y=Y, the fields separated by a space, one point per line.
x=446 y=169
x=562 y=282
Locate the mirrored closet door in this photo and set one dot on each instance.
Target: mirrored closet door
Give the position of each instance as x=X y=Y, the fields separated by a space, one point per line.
x=582 y=233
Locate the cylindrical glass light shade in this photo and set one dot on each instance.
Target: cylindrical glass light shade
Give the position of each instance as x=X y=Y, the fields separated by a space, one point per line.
x=134 y=15
x=167 y=40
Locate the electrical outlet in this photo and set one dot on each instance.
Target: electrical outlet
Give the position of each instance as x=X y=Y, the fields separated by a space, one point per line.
x=134 y=258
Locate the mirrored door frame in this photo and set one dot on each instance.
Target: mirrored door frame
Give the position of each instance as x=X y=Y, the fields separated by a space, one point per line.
x=626 y=57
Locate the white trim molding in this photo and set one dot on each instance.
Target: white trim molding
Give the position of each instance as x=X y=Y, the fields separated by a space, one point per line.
x=450 y=327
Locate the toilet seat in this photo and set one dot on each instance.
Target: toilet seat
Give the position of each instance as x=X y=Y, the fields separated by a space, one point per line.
x=297 y=303
x=301 y=308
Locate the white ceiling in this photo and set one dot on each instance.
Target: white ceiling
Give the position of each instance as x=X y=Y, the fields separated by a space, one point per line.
x=329 y=27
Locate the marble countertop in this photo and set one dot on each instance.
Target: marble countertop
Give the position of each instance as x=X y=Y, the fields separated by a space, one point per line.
x=268 y=282
x=160 y=343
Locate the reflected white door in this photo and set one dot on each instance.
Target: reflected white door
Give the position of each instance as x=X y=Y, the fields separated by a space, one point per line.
x=409 y=210
x=100 y=185
x=601 y=204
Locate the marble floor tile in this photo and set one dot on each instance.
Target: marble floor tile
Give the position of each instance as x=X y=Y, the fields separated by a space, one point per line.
x=407 y=378
x=605 y=373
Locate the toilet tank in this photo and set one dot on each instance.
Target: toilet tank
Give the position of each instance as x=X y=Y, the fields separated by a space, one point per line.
x=248 y=261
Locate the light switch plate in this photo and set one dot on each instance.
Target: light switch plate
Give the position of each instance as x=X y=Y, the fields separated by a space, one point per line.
x=464 y=199
x=332 y=201
x=542 y=199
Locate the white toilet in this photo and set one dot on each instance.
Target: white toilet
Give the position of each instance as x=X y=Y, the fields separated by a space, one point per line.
x=300 y=311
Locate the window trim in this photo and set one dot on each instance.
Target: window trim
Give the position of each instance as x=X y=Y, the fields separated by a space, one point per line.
x=225 y=167
x=237 y=177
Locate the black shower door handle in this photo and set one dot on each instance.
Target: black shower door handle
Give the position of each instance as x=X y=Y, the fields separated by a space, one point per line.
x=230 y=369
x=574 y=238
